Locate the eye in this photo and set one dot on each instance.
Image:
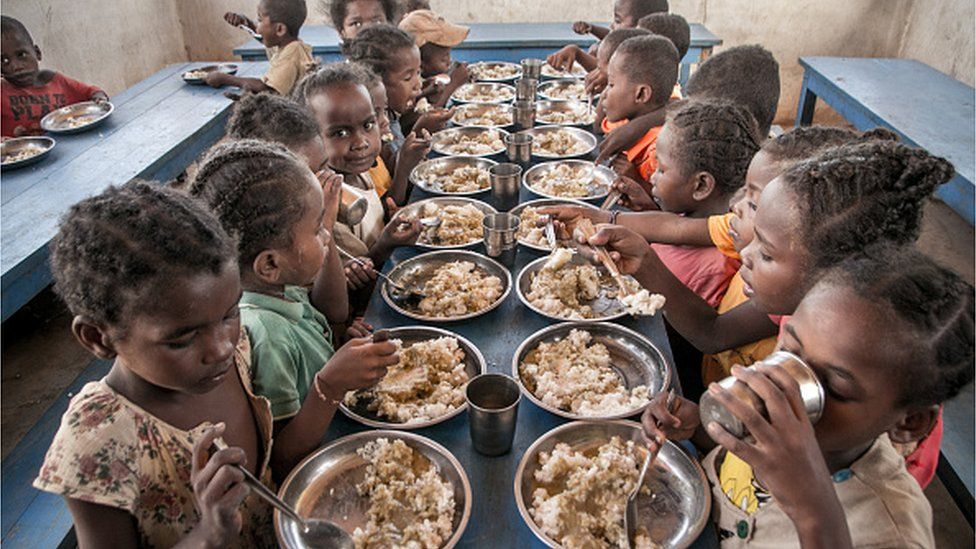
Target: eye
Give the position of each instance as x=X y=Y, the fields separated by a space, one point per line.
x=233 y=313
x=181 y=343
x=370 y=125
x=340 y=133
x=752 y=206
x=764 y=256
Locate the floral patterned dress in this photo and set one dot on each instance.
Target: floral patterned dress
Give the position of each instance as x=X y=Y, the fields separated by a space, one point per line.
x=111 y=452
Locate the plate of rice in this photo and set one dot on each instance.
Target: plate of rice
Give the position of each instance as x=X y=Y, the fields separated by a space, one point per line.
x=495 y=71
x=533 y=237
x=573 y=179
x=460 y=221
x=453 y=175
x=484 y=92
x=469 y=141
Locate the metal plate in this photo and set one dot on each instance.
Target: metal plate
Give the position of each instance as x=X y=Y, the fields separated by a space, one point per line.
x=324 y=485
x=472 y=111
x=228 y=68
x=415 y=209
x=605 y=308
x=577 y=72
x=603 y=178
x=419 y=174
x=678 y=506
x=86 y=115
x=474 y=364
x=40 y=145
x=486 y=92
x=632 y=356
x=444 y=138
x=514 y=69
x=584 y=136
x=416 y=268
x=562 y=89
x=517 y=210
x=571 y=107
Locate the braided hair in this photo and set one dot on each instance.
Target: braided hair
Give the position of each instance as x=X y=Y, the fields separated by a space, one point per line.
x=807 y=141
x=113 y=248
x=748 y=75
x=328 y=76
x=271 y=117
x=338 y=9
x=853 y=196
x=718 y=137
x=256 y=189
x=376 y=45
x=933 y=303
x=671 y=26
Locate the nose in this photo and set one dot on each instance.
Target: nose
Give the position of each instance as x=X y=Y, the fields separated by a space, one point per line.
x=219 y=345
x=361 y=142
x=747 y=254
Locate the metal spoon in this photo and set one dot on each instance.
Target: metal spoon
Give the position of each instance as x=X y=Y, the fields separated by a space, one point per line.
x=550 y=232
x=252 y=32
x=399 y=293
x=630 y=516
x=430 y=222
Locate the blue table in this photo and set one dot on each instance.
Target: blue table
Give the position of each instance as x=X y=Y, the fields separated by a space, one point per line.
x=495 y=520
x=494 y=42
x=924 y=106
x=159 y=126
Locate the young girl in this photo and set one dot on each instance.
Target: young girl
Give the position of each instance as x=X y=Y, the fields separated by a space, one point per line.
x=273 y=204
x=270 y=117
x=840 y=483
x=351 y=16
x=152 y=281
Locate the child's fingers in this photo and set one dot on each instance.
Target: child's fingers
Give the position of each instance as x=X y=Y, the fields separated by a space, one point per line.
x=776 y=404
x=232 y=499
x=223 y=481
x=789 y=386
x=219 y=459
x=201 y=448
x=750 y=418
x=747 y=452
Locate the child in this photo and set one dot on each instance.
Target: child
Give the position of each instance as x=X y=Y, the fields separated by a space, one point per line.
x=640 y=76
x=279 y=22
x=840 y=483
x=152 y=281
x=596 y=65
x=626 y=14
x=351 y=16
x=671 y=26
x=435 y=37
x=409 y=6
x=28 y=92
x=272 y=203
x=271 y=117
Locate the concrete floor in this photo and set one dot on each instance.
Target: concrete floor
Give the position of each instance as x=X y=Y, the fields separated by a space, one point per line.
x=41 y=358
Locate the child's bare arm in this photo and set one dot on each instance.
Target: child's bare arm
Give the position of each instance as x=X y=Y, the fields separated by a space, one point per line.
x=328 y=293
x=415 y=147
x=667 y=228
x=219 y=79
x=625 y=136
x=102 y=526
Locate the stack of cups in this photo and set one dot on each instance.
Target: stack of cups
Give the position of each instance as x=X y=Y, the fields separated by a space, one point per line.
x=518 y=146
x=525 y=89
x=523 y=114
x=501 y=237
x=532 y=68
x=505 y=179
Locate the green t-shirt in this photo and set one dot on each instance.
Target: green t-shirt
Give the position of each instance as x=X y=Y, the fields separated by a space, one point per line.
x=290 y=342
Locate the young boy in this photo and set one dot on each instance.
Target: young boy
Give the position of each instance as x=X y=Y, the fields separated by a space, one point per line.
x=640 y=78
x=626 y=14
x=671 y=26
x=29 y=93
x=278 y=23
x=435 y=36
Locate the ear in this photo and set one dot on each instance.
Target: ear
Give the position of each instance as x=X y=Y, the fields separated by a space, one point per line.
x=915 y=425
x=93 y=336
x=280 y=29
x=704 y=185
x=37 y=52
x=267 y=267
x=643 y=94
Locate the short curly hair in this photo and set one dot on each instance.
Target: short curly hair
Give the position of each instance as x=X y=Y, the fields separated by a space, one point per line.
x=748 y=75
x=376 y=45
x=858 y=195
x=805 y=142
x=256 y=189
x=612 y=41
x=271 y=117
x=114 y=249
x=651 y=60
x=339 y=73
x=671 y=26
x=338 y=9
x=643 y=8
x=718 y=137
x=291 y=13
x=931 y=302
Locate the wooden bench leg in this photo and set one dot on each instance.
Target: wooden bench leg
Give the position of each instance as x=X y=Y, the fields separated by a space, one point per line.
x=808 y=102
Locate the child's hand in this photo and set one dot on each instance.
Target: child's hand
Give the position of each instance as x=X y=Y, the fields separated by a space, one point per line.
x=433 y=120
x=459 y=75
x=624 y=167
x=400 y=232
x=359 y=276
x=582 y=27
x=218 y=489
x=565 y=218
x=215 y=79
x=358 y=328
x=332 y=194
x=415 y=147
x=632 y=195
x=627 y=248
x=595 y=81
x=237 y=19
x=563 y=59
x=785 y=447
x=358 y=364
x=99 y=97
x=678 y=424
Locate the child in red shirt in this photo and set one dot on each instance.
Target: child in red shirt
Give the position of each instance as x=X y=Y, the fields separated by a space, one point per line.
x=27 y=93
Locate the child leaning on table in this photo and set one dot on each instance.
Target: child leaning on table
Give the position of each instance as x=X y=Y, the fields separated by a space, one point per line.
x=29 y=92
x=840 y=483
x=152 y=281
x=293 y=285
x=435 y=36
x=278 y=23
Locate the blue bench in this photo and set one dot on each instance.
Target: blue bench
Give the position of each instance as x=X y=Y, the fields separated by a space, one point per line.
x=494 y=41
x=925 y=107
x=159 y=126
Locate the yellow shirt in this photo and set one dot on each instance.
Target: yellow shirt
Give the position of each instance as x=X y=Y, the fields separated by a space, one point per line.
x=288 y=66
x=381 y=177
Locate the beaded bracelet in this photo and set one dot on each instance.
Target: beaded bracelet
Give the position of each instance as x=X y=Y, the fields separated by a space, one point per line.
x=325 y=398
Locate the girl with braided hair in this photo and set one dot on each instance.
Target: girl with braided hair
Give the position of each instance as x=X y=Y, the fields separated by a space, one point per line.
x=840 y=483
x=274 y=206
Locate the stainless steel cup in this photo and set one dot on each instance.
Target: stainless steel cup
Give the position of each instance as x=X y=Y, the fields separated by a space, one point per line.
x=505 y=179
x=523 y=114
x=492 y=412
x=810 y=389
x=525 y=89
x=532 y=68
x=352 y=206
x=518 y=146
x=500 y=232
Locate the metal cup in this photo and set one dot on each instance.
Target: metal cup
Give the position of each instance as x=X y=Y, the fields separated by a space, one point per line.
x=505 y=179
x=811 y=391
x=492 y=412
x=532 y=68
x=352 y=206
x=525 y=89
x=518 y=146
x=523 y=114
x=500 y=231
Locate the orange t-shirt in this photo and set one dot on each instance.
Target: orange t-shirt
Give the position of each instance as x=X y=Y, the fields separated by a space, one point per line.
x=381 y=176
x=643 y=153
x=718 y=230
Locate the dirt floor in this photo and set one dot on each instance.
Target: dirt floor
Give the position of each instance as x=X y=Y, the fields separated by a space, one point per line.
x=40 y=358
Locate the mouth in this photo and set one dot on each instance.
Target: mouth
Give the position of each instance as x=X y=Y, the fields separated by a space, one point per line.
x=19 y=77
x=222 y=373
x=747 y=288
